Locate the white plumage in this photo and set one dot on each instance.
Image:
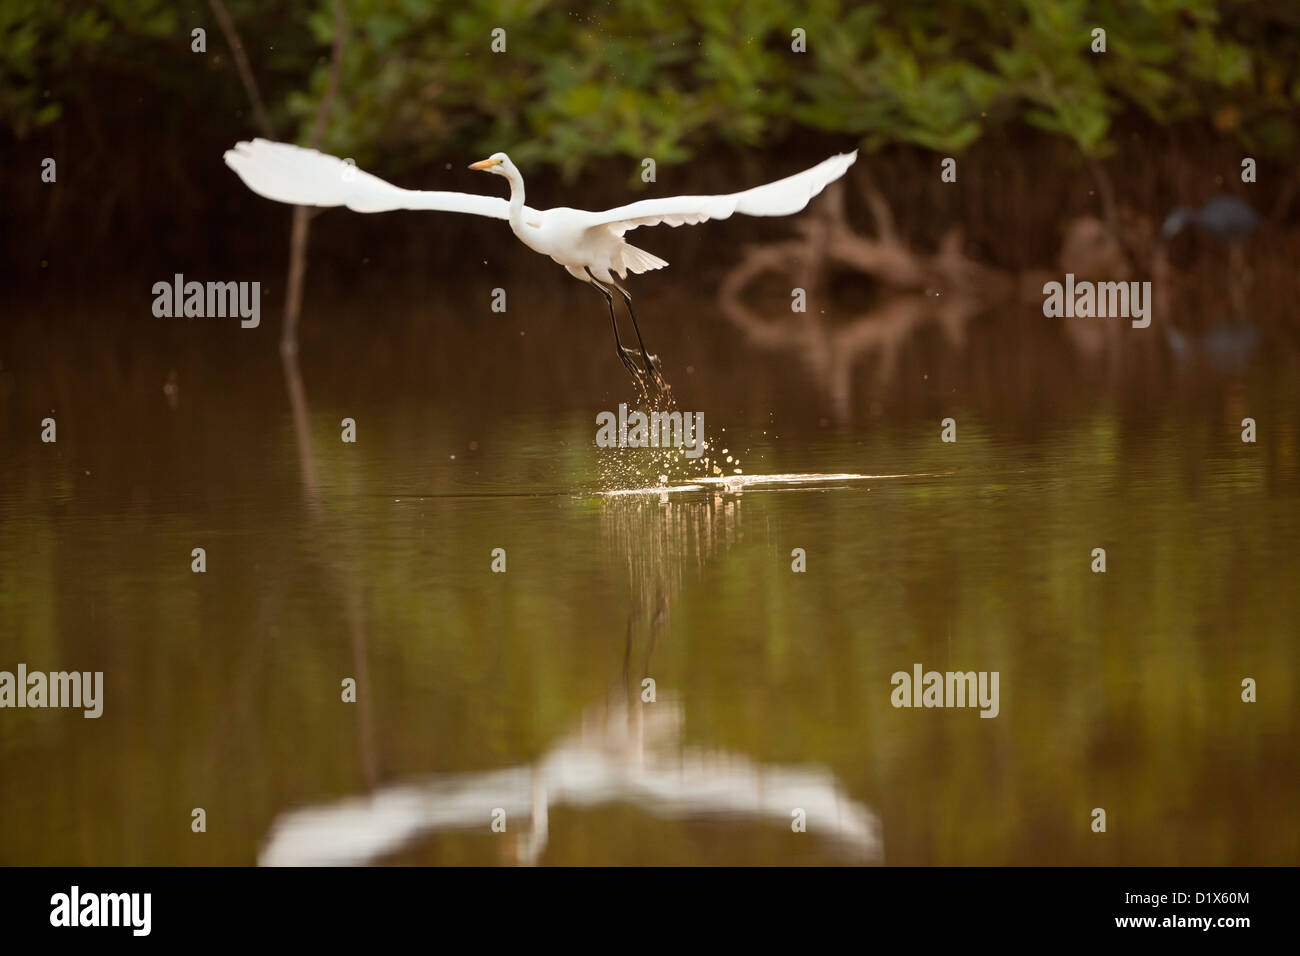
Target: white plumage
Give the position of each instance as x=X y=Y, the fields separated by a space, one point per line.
x=306 y=177
x=590 y=245
x=575 y=238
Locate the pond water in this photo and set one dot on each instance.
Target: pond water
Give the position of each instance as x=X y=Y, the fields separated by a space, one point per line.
x=519 y=695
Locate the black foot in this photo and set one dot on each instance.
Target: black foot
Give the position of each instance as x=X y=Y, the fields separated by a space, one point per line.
x=639 y=376
x=629 y=358
x=663 y=391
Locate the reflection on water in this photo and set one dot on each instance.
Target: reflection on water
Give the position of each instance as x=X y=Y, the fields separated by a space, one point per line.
x=523 y=690
x=626 y=750
x=630 y=754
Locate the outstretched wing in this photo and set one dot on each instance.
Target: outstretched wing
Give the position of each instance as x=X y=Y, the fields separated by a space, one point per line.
x=781 y=198
x=306 y=177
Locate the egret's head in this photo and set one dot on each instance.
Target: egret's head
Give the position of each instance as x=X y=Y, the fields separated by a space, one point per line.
x=498 y=163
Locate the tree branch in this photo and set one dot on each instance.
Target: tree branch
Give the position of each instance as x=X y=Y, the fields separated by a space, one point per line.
x=241 y=66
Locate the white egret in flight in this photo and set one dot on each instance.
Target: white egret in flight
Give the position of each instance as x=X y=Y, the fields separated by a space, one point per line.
x=590 y=245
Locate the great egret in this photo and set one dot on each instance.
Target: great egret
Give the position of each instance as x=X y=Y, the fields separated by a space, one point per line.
x=590 y=245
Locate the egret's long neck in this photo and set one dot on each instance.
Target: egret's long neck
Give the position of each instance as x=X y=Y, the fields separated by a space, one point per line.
x=516 y=203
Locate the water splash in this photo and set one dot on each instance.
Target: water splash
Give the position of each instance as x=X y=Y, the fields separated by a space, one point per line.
x=668 y=467
x=736 y=484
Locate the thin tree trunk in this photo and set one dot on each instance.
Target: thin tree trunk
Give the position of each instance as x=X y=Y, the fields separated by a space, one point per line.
x=241 y=66
x=301 y=231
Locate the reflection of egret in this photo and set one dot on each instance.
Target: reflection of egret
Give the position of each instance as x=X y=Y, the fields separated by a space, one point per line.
x=624 y=751
x=611 y=758
x=590 y=245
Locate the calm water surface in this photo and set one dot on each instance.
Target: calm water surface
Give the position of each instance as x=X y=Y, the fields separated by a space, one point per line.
x=522 y=690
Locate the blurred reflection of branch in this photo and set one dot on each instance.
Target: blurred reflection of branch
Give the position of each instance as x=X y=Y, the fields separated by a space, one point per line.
x=301 y=412
x=608 y=759
x=946 y=288
x=350 y=585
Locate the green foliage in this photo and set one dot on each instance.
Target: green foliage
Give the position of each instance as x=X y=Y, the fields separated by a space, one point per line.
x=42 y=39
x=665 y=78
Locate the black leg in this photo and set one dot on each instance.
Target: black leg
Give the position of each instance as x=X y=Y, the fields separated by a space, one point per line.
x=618 y=343
x=645 y=356
x=651 y=361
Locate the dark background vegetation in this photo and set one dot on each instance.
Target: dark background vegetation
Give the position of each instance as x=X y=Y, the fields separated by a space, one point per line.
x=1044 y=130
x=713 y=92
